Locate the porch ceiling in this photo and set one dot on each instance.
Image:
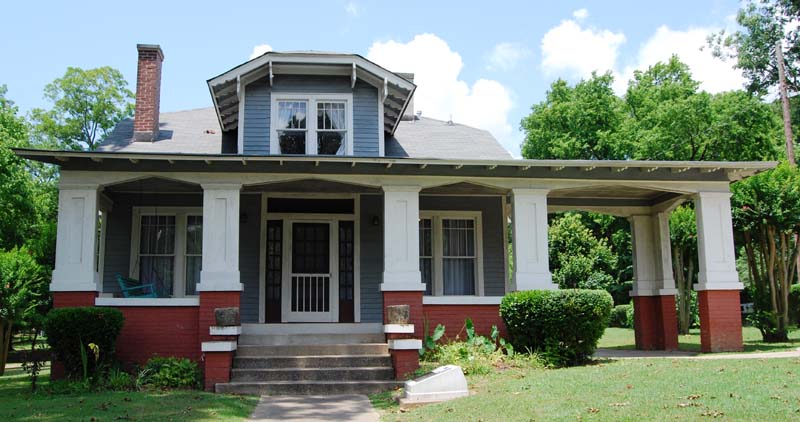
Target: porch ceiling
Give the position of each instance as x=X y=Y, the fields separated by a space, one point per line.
x=610 y=195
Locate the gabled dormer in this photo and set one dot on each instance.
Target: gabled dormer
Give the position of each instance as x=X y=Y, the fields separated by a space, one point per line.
x=310 y=103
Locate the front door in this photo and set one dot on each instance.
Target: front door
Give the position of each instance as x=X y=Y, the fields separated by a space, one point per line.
x=310 y=277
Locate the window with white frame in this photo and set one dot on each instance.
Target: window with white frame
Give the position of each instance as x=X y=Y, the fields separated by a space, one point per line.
x=330 y=133
x=167 y=249
x=451 y=253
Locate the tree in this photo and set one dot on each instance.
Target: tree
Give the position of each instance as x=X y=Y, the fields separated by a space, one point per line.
x=583 y=122
x=87 y=104
x=23 y=293
x=577 y=258
x=766 y=215
x=683 y=236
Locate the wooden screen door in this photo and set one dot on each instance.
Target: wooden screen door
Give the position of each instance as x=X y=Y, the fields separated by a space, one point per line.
x=310 y=277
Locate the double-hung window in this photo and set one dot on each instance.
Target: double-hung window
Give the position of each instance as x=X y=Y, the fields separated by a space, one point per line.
x=450 y=255
x=167 y=249
x=305 y=124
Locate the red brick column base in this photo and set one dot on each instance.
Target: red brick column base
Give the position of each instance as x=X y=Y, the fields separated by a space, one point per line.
x=405 y=362
x=217 y=368
x=655 y=322
x=720 y=321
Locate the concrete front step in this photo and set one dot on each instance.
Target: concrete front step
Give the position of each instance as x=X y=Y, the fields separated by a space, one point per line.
x=313 y=350
x=314 y=374
x=310 y=339
x=341 y=361
x=307 y=387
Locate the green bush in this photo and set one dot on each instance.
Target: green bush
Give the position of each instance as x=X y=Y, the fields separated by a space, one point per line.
x=119 y=380
x=630 y=317
x=170 y=372
x=562 y=326
x=619 y=317
x=794 y=304
x=70 y=331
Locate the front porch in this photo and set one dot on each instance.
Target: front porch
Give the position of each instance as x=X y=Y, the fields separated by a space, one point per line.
x=287 y=248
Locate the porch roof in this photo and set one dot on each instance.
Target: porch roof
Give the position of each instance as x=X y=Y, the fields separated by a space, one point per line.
x=711 y=171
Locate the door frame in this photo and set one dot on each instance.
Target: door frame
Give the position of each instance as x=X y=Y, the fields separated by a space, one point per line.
x=310 y=217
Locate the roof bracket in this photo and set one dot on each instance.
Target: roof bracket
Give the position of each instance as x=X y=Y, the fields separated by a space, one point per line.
x=385 y=89
x=270 y=73
x=239 y=87
x=353 y=77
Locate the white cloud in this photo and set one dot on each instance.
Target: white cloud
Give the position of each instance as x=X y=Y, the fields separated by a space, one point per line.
x=577 y=51
x=505 y=56
x=580 y=14
x=259 y=50
x=352 y=9
x=441 y=94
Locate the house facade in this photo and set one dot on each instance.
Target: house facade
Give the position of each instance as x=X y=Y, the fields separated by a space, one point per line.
x=311 y=196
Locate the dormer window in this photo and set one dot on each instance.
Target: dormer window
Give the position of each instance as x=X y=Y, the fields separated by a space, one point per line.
x=330 y=133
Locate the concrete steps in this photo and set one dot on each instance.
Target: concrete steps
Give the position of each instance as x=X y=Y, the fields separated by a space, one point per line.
x=271 y=360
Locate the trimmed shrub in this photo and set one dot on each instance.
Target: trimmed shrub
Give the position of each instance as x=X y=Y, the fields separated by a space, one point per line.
x=71 y=330
x=562 y=326
x=630 y=317
x=171 y=372
x=619 y=317
x=794 y=304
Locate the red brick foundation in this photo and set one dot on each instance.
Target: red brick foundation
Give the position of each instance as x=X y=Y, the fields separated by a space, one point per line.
x=720 y=321
x=216 y=365
x=405 y=361
x=158 y=331
x=453 y=317
x=655 y=322
x=73 y=299
x=217 y=368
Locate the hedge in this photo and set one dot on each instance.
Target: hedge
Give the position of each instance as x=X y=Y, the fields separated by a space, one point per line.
x=69 y=329
x=562 y=326
x=619 y=317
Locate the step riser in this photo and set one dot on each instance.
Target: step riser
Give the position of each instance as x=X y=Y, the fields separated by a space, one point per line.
x=372 y=374
x=309 y=339
x=306 y=389
x=312 y=350
x=311 y=362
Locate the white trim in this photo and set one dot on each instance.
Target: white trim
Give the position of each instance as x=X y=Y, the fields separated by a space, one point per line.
x=398 y=328
x=148 y=302
x=438 y=259
x=180 y=214
x=461 y=300
x=402 y=287
x=311 y=101
x=217 y=346
x=100 y=258
x=225 y=331
x=506 y=278
x=240 y=129
x=381 y=130
x=405 y=344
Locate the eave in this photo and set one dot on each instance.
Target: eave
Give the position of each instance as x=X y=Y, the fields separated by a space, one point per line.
x=713 y=171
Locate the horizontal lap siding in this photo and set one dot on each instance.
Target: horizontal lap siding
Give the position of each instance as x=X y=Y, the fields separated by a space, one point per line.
x=494 y=247
x=365 y=120
x=256 y=118
x=249 y=250
x=371 y=259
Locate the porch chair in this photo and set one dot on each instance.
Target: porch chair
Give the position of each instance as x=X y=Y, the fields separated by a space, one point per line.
x=132 y=287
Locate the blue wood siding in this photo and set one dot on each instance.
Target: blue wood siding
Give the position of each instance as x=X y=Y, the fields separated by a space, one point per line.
x=491 y=208
x=257 y=106
x=249 y=251
x=371 y=259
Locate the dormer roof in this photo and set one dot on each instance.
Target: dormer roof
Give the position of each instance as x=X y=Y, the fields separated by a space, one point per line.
x=393 y=89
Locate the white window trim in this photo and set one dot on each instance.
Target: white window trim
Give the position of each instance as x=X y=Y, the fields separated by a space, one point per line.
x=100 y=256
x=438 y=277
x=311 y=119
x=180 y=213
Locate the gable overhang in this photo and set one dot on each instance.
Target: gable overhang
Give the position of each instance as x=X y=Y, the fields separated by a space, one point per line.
x=394 y=92
x=678 y=171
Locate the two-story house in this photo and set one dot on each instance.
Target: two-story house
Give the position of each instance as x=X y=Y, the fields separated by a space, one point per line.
x=311 y=196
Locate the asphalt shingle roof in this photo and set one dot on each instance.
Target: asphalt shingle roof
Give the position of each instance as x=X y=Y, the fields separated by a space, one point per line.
x=197 y=131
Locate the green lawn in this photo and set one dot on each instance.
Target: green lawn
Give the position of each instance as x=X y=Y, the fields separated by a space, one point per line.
x=623 y=338
x=18 y=404
x=633 y=390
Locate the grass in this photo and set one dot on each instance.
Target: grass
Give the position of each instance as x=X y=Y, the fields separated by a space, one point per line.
x=17 y=403
x=623 y=338
x=627 y=390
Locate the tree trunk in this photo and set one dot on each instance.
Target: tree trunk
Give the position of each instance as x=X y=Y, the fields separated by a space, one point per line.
x=5 y=342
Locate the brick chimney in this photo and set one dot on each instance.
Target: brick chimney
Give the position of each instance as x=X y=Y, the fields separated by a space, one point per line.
x=148 y=93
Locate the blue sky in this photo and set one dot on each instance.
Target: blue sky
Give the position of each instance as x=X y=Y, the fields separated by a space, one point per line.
x=483 y=63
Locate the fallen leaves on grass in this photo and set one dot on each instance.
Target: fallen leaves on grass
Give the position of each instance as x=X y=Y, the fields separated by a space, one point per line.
x=593 y=410
x=713 y=414
x=623 y=404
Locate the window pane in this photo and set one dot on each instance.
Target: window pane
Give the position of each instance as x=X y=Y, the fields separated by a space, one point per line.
x=330 y=143
x=459 y=276
x=193 y=267
x=426 y=269
x=194 y=235
x=158 y=271
x=458 y=237
x=331 y=115
x=292 y=142
x=291 y=115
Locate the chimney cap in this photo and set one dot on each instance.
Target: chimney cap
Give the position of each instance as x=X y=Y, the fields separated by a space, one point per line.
x=150 y=47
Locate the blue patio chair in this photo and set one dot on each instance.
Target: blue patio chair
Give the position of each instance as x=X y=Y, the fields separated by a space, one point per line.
x=131 y=287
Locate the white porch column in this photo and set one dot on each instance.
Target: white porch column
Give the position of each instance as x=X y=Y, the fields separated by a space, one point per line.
x=76 y=240
x=220 y=238
x=715 y=243
x=652 y=255
x=401 y=239
x=531 y=259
